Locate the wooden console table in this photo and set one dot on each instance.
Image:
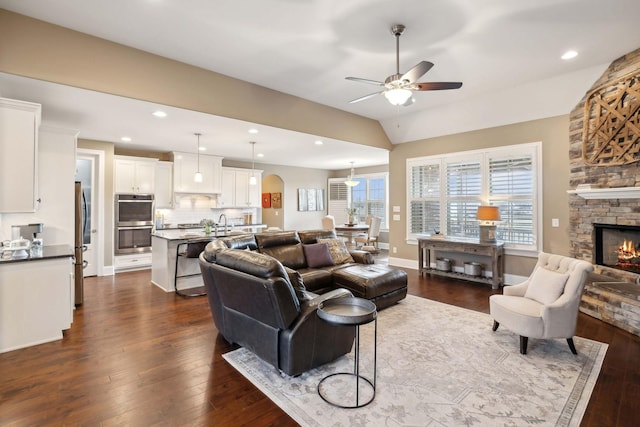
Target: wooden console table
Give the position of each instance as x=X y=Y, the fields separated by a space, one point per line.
x=468 y=246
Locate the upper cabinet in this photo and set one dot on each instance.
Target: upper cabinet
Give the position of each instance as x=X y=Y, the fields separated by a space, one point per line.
x=236 y=188
x=19 y=123
x=164 y=185
x=134 y=175
x=185 y=166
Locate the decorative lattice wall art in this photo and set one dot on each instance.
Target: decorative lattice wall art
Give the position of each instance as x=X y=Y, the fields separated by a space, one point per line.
x=611 y=133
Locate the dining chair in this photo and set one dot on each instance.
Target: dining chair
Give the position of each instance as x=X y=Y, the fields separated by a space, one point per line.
x=372 y=234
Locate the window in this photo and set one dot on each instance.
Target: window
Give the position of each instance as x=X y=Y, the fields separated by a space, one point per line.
x=444 y=193
x=369 y=197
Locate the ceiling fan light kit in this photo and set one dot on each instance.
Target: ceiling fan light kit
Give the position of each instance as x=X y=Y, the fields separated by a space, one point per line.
x=398 y=96
x=399 y=88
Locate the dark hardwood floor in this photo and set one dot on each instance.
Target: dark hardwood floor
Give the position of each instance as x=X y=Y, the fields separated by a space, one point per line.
x=137 y=356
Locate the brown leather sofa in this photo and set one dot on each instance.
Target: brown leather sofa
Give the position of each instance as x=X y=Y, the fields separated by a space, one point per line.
x=255 y=305
x=381 y=284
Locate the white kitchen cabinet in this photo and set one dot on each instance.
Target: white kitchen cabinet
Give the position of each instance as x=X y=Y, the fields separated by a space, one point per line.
x=164 y=185
x=236 y=190
x=132 y=262
x=134 y=175
x=19 y=123
x=185 y=166
x=37 y=301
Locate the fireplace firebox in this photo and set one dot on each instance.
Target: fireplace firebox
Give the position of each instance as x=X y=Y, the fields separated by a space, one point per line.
x=617 y=246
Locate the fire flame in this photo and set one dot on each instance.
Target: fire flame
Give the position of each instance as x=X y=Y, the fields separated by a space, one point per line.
x=627 y=250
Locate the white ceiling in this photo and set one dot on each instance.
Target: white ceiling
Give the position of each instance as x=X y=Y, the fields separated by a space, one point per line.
x=506 y=52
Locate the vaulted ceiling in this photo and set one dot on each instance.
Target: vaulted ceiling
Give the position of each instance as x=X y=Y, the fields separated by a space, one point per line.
x=506 y=53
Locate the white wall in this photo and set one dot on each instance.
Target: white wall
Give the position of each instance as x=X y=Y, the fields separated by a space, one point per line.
x=56 y=172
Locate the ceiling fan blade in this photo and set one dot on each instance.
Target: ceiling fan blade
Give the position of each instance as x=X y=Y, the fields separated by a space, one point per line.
x=371 y=82
x=417 y=71
x=362 y=98
x=437 y=85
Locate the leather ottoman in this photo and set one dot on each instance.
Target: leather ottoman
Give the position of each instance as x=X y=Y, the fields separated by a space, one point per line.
x=381 y=284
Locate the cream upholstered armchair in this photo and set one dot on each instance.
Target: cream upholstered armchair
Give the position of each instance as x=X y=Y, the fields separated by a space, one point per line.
x=546 y=304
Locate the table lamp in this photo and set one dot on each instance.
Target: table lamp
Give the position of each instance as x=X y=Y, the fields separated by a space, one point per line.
x=488 y=215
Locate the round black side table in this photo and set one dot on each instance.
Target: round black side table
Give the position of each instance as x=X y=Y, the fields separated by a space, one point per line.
x=355 y=312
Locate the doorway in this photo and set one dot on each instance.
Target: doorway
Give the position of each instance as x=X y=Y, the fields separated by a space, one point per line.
x=88 y=169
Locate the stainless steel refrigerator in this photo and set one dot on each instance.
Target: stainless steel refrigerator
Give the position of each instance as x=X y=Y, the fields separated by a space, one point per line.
x=80 y=224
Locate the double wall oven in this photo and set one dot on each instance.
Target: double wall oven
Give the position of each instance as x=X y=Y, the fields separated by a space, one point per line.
x=134 y=223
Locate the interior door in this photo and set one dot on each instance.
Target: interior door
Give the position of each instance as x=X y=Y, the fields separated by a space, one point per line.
x=86 y=174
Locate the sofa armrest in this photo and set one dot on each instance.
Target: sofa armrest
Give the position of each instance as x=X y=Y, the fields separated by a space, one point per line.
x=312 y=304
x=311 y=341
x=362 y=257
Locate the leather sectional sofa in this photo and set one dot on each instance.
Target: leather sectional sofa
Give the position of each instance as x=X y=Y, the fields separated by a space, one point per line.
x=352 y=269
x=264 y=291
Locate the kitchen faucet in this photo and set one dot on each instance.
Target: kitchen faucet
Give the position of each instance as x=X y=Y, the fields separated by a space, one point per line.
x=225 y=222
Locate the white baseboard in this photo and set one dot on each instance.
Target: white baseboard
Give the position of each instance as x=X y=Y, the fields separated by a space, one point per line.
x=404 y=263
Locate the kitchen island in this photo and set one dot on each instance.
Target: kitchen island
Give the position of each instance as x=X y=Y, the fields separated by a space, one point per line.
x=37 y=291
x=164 y=250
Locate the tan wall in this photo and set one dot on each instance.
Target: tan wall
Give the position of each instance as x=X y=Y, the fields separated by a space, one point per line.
x=554 y=135
x=36 y=49
x=108 y=150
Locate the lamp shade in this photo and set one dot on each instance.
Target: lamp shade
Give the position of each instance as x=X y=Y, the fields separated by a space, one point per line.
x=488 y=213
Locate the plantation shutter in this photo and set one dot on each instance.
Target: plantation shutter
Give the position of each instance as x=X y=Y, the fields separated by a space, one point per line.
x=512 y=189
x=424 y=199
x=464 y=192
x=338 y=200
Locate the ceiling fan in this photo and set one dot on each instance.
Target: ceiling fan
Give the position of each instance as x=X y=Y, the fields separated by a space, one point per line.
x=398 y=88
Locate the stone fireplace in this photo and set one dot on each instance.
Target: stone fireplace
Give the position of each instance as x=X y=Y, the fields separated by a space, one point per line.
x=604 y=203
x=606 y=195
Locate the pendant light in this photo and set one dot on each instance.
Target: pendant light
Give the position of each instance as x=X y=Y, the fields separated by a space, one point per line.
x=198 y=176
x=253 y=180
x=350 y=181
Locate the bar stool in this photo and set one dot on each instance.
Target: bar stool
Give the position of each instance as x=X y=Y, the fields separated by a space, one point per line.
x=189 y=249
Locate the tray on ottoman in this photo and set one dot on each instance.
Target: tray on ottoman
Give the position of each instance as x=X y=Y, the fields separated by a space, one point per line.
x=379 y=283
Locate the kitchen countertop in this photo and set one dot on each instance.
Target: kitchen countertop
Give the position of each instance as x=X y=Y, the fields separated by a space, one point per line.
x=47 y=252
x=198 y=233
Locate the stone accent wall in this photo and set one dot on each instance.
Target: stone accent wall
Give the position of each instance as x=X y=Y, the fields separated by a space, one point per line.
x=583 y=213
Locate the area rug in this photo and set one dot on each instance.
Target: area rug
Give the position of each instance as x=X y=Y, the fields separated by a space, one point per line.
x=440 y=365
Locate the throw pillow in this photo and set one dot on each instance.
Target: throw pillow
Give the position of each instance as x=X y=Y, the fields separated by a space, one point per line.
x=338 y=250
x=298 y=284
x=546 y=286
x=317 y=255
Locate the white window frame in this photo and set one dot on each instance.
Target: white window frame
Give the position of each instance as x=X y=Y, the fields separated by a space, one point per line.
x=534 y=149
x=339 y=212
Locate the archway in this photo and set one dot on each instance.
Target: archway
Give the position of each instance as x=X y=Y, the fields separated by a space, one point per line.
x=273 y=217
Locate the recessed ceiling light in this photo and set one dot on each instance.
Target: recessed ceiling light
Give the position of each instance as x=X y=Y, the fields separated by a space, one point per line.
x=318 y=142
x=254 y=131
x=203 y=148
x=159 y=113
x=570 y=54
x=125 y=139
x=260 y=155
